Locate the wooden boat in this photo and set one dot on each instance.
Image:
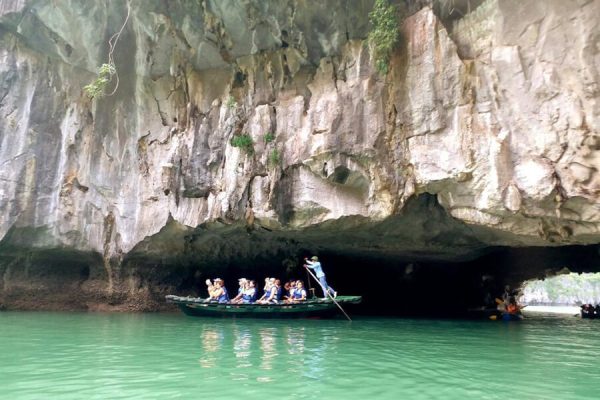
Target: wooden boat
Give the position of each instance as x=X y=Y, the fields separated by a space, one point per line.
x=514 y=316
x=320 y=308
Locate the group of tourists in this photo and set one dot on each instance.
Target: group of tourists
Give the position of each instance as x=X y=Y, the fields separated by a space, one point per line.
x=273 y=293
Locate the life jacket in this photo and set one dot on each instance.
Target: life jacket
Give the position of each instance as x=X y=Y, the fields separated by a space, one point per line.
x=298 y=294
x=249 y=295
x=268 y=293
x=224 y=297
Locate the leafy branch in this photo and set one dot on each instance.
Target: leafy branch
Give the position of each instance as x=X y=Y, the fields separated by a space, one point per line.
x=97 y=87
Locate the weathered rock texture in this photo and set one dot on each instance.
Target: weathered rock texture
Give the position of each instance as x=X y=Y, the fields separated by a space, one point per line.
x=495 y=114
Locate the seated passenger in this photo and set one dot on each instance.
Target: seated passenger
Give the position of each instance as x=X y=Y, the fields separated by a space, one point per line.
x=269 y=291
x=249 y=293
x=267 y=285
x=512 y=307
x=299 y=293
x=211 y=288
x=290 y=294
x=217 y=291
x=243 y=283
x=273 y=293
x=278 y=291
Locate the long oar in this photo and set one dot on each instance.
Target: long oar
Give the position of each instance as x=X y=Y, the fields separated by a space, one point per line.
x=310 y=288
x=328 y=294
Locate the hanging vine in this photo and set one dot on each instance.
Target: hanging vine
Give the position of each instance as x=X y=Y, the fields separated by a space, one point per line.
x=107 y=71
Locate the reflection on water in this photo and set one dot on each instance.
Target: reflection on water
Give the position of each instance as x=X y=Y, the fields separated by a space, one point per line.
x=259 y=347
x=212 y=340
x=267 y=347
x=241 y=346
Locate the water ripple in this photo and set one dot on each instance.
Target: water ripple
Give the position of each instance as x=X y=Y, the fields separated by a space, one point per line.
x=101 y=356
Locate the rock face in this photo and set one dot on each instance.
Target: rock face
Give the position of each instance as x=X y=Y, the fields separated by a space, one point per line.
x=494 y=116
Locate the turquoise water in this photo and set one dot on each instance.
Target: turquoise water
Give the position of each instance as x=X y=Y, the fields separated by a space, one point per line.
x=167 y=356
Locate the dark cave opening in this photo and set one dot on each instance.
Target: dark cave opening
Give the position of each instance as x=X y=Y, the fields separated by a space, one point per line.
x=398 y=286
x=404 y=286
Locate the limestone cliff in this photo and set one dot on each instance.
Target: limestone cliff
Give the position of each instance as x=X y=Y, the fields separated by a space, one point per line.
x=494 y=116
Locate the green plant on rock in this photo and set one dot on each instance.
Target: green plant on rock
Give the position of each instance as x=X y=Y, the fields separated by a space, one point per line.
x=269 y=137
x=384 y=34
x=231 y=103
x=244 y=142
x=98 y=86
x=274 y=158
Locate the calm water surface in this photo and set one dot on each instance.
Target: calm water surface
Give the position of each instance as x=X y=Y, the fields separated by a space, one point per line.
x=166 y=356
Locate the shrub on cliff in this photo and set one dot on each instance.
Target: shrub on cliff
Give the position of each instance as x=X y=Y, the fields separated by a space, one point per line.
x=244 y=142
x=231 y=103
x=269 y=137
x=274 y=158
x=384 y=34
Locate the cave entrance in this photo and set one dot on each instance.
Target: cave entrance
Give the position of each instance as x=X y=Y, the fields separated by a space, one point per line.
x=421 y=262
x=410 y=285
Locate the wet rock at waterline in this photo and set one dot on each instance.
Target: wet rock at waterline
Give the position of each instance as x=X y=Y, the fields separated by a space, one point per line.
x=483 y=133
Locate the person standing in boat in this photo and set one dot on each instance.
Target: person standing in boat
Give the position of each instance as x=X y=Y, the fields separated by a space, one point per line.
x=315 y=265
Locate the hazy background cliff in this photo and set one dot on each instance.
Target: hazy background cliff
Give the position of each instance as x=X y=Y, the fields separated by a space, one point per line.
x=484 y=132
